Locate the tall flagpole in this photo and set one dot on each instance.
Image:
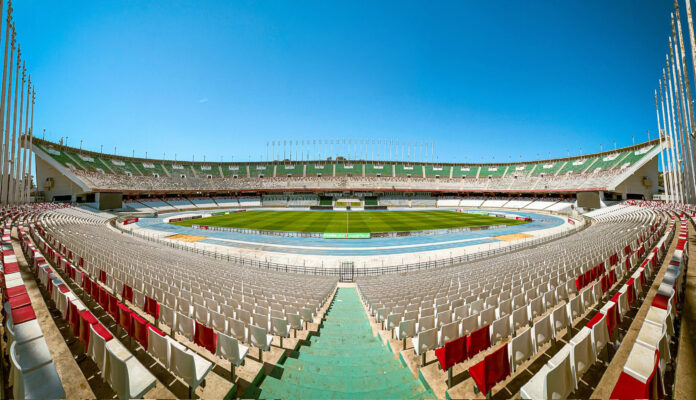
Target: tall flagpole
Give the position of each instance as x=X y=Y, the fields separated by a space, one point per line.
x=680 y=121
x=672 y=131
x=4 y=87
x=10 y=195
x=3 y=189
x=686 y=120
x=31 y=143
x=668 y=133
x=16 y=161
x=662 y=150
x=23 y=173
x=676 y=125
x=688 y=99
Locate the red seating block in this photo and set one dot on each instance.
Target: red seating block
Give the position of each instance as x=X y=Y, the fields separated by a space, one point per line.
x=86 y=320
x=140 y=330
x=125 y=317
x=127 y=293
x=477 y=341
x=494 y=368
x=151 y=307
x=205 y=337
x=113 y=307
x=660 y=301
x=103 y=332
x=452 y=353
x=630 y=388
x=19 y=301
x=23 y=314
x=594 y=320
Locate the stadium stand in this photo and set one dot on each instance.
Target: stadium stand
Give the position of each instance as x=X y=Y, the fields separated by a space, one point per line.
x=496 y=327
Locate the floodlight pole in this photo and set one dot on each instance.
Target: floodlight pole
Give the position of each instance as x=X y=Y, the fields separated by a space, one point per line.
x=5 y=164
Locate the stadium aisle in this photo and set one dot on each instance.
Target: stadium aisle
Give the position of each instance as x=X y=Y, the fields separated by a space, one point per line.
x=345 y=361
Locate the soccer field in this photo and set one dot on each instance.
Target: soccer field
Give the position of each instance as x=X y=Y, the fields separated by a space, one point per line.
x=351 y=221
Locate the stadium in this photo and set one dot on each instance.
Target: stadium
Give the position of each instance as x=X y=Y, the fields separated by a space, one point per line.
x=344 y=268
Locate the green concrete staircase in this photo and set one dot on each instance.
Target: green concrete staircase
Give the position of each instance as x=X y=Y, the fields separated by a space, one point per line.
x=344 y=362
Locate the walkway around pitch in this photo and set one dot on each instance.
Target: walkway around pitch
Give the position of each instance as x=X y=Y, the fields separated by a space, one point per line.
x=344 y=361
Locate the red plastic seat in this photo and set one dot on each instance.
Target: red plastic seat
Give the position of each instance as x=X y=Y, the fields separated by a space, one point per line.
x=660 y=301
x=151 y=307
x=612 y=319
x=23 y=314
x=102 y=276
x=140 y=330
x=103 y=332
x=631 y=291
x=19 y=301
x=478 y=341
x=16 y=291
x=630 y=388
x=127 y=293
x=103 y=298
x=494 y=368
x=95 y=291
x=452 y=353
x=604 y=283
x=125 y=317
x=205 y=337
x=86 y=320
x=594 y=320
x=113 y=307
x=73 y=317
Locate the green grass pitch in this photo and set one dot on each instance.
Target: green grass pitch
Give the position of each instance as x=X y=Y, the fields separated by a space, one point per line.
x=356 y=221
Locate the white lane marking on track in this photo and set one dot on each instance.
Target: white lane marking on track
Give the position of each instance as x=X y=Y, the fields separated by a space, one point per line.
x=403 y=246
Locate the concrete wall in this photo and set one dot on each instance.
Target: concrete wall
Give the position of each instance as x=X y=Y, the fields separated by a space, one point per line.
x=634 y=183
x=62 y=185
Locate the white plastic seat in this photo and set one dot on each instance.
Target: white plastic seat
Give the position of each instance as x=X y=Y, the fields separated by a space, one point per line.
x=280 y=327
x=469 y=324
x=575 y=308
x=200 y=313
x=167 y=316
x=238 y=330
x=129 y=378
x=425 y=323
x=519 y=318
x=189 y=366
x=640 y=362
x=447 y=333
x=500 y=329
x=559 y=317
x=185 y=326
x=582 y=354
x=600 y=335
x=406 y=329
x=259 y=338
x=587 y=298
x=230 y=349
x=426 y=340
x=551 y=382
x=34 y=381
x=521 y=349
x=542 y=332
x=97 y=348
x=486 y=316
x=218 y=321
x=295 y=322
x=535 y=308
x=158 y=347
x=443 y=318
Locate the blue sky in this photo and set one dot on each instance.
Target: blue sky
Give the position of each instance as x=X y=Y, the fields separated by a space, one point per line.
x=483 y=80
